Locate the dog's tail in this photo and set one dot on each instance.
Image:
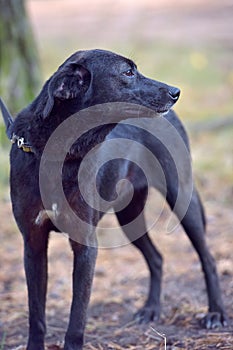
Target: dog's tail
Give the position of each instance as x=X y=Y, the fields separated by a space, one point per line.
x=8 y=120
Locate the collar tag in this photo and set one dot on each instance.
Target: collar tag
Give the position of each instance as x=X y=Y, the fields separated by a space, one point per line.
x=21 y=144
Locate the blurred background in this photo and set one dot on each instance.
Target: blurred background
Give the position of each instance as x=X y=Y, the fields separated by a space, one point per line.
x=186 y=43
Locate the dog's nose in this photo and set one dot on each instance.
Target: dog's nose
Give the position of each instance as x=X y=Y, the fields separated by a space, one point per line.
x=174 y=93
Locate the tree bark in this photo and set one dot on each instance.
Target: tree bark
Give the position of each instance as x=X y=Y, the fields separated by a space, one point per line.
x=20 y=72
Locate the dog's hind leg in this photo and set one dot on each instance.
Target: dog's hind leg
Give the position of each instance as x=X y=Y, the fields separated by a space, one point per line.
x=151 y=310
x=35 y=264
x=83 y=271
x=194 y=225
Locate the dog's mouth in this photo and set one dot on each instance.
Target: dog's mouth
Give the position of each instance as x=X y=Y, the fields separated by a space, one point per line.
x=173 y=94
x=164 y=112
x=160 y=108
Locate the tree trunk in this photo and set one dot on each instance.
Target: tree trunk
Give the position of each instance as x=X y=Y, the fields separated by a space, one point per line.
x=20 y=73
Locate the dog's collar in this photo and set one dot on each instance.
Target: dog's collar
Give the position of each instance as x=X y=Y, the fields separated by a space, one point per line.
x=24 y=146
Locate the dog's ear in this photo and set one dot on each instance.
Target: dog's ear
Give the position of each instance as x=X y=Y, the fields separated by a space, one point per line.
x=68 y=82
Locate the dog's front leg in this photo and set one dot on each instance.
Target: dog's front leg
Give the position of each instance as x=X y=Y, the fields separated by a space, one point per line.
x=35 y=264
x=83 y=271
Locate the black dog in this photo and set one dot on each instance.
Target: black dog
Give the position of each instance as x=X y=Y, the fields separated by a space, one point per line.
x=92 y=78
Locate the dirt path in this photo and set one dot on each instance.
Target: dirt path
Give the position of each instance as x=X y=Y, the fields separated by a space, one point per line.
x=120 y=287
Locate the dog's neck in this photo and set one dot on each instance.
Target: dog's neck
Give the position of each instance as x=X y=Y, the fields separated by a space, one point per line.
x=36 y=130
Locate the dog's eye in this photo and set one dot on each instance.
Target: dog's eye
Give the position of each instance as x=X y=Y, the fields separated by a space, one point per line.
x=129 y=73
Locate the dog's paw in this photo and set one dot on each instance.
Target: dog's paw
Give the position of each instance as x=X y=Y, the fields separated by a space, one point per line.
x=147 y=314
x=214 y=320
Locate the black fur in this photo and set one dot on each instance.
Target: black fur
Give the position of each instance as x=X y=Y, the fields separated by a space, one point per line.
x=85 y=79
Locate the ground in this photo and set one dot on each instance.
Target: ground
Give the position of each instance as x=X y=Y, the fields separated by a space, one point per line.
x=121 y=278
x=119 y=289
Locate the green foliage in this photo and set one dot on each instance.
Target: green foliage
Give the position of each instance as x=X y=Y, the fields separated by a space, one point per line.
x=3 y=138
x=4 y=160
x=4 y=169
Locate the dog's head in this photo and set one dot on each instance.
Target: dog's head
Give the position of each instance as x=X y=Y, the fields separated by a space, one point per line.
x=94 y=77
x=98 y=76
